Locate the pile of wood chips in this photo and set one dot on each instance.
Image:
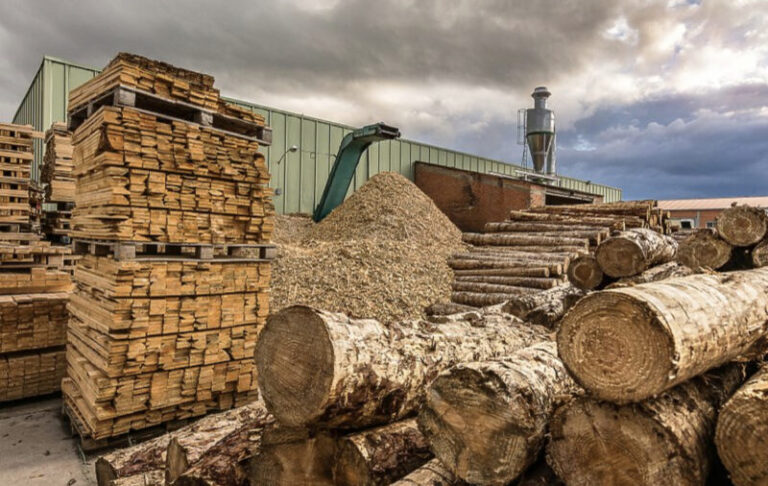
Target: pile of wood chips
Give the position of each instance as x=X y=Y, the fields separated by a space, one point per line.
x=382 y=254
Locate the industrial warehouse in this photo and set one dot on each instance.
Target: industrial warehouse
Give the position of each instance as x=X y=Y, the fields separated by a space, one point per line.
x=200 y=290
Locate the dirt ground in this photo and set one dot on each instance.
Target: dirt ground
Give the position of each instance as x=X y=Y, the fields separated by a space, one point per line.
x=36 y=448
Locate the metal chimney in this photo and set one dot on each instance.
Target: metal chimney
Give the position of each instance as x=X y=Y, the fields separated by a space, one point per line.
x=540 y=132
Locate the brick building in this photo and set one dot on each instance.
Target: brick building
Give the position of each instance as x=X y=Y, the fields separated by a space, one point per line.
x=702 y=213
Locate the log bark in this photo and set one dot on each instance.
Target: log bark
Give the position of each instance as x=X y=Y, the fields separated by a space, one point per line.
x=530 y=282
x=318 y=367
x=155 y=477
x=564 y=248
x=477 y=299
x=704 y=249
x=741 y=435
x=380 y=456
x=131 y=461
x=301 y=460
x=513 y=239
x=506 y=272
x=654 y=274
x=760 y=254
x=445 y=308
x=742 y=225
x=535 y=227
x=614 y=222
x=190 y=444
x=481 y=253
x=545 y=308
x=433 y=473
x=585 y=273
x=487 y=421
x=633 y=251
x=664 y=440
x=631 y=343
x=462 y=286
x=464 y=264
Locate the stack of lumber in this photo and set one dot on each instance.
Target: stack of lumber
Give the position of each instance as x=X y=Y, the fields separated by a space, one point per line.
x=33 y=281
x=59 y=182
x=533 y=250
x=164 y=331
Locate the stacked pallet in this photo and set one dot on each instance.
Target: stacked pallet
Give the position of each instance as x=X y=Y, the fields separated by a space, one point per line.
x=59 y=182
x=33 y=280
x=173 y=219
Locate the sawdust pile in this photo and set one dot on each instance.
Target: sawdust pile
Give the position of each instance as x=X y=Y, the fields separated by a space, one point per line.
x=381 y=254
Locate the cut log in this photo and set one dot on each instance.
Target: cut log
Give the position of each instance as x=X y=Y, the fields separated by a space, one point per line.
x=536 y=227
x=380 y=456
x=146 y=478
x=461 y=286
x=530 y=282
x=132 y=461
x=584 y=273
x=654 y=274
x=326 y=368
x=760 y=254
x=191 y=443
x=481 y=253
x=631 y=343
x=544 y=308
x=464 y=264
x=664 y=440
x=478 y=299
x=704 y=248
x=632 y=251
x=506 y=272
x=521 y=240
x=742 y=432
x=301 y=460
x=564 y=248
x=615 y=222
x=742 y=225
x=433 y=473
x=487 y=421
x=445 y=308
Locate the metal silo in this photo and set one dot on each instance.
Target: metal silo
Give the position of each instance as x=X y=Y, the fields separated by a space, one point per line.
x=540 y=132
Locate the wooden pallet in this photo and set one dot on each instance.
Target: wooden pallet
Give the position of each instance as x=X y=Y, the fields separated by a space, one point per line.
x=169 y=109
x=136 y=250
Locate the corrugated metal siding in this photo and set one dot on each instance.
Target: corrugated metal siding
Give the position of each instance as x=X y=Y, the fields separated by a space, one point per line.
x=301 y=175
x=46 y=99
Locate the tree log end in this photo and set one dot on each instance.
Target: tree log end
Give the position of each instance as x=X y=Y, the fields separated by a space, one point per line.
x=704 y=249
x=294 y=358
x=742 y=225
x=612 y=345
x=619 y=257
x=585 y=273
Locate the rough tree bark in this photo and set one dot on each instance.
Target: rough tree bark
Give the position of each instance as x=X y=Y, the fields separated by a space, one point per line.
x=531 y=282
x=704 y=248
x=487 y=421
x=664 y=440
x=380 y=456
x=631 y=343
x=506 y=272
x=155 y=477
x=633 y=251
x=654 y=274
x=464 y=264
x=544 y=308
x=480 y=254
x=514 y=239
x=462 y=286
x=433 y=473
x=742 y=225
x=584 y=273
x=760 y=254
x=189 y=444
x=741 y=434
x=131 y=461
x=293 y=457
x=326 y=368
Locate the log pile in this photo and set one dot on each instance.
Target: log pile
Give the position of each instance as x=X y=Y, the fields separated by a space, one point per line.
x=59 y=182
x=173 y=218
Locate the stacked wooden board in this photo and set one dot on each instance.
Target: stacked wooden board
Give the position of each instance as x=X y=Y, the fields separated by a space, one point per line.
x=33 y=281
x=59 y=182
x=174 y=219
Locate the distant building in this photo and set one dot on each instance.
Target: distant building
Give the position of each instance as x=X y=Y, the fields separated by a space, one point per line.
x=702 y=213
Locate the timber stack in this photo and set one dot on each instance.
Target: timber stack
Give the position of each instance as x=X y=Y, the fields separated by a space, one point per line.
x=33 y=287
x=59 y=182
x=173 y=218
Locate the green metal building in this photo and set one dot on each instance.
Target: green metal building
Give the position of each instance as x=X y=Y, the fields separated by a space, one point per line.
x=300 y=175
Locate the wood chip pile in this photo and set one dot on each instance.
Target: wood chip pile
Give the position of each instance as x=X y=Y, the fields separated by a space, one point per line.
x=33 y=281
x=381 y=254
x=173 y=217
x=59 y=182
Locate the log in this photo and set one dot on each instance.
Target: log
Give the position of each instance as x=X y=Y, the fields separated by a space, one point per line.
x=463 y=286
x=632 y=251
x=664 y=440
x=190 y=444
x=481 y=254
x=760 y=254
x=433 y=473
x=380 y=456
x=318 y=367
x=704 y=249
x=506 y=272
x=536 y=227
x=530 y=282
x=478 y=299
x=521 y=240
x=132 y=461
x=463 y=264
x=631 y=343
x=654 y=274
x=741 y=435
x=564 y=248
x=445 y=308
x=742 y=225
x=487 y=421
x=614 y=222
x=544 y=308
x=146 y=478
x=585 y=273
x=300 y=458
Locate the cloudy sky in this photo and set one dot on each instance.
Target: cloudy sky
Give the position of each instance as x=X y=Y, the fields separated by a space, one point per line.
x=664 y=98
